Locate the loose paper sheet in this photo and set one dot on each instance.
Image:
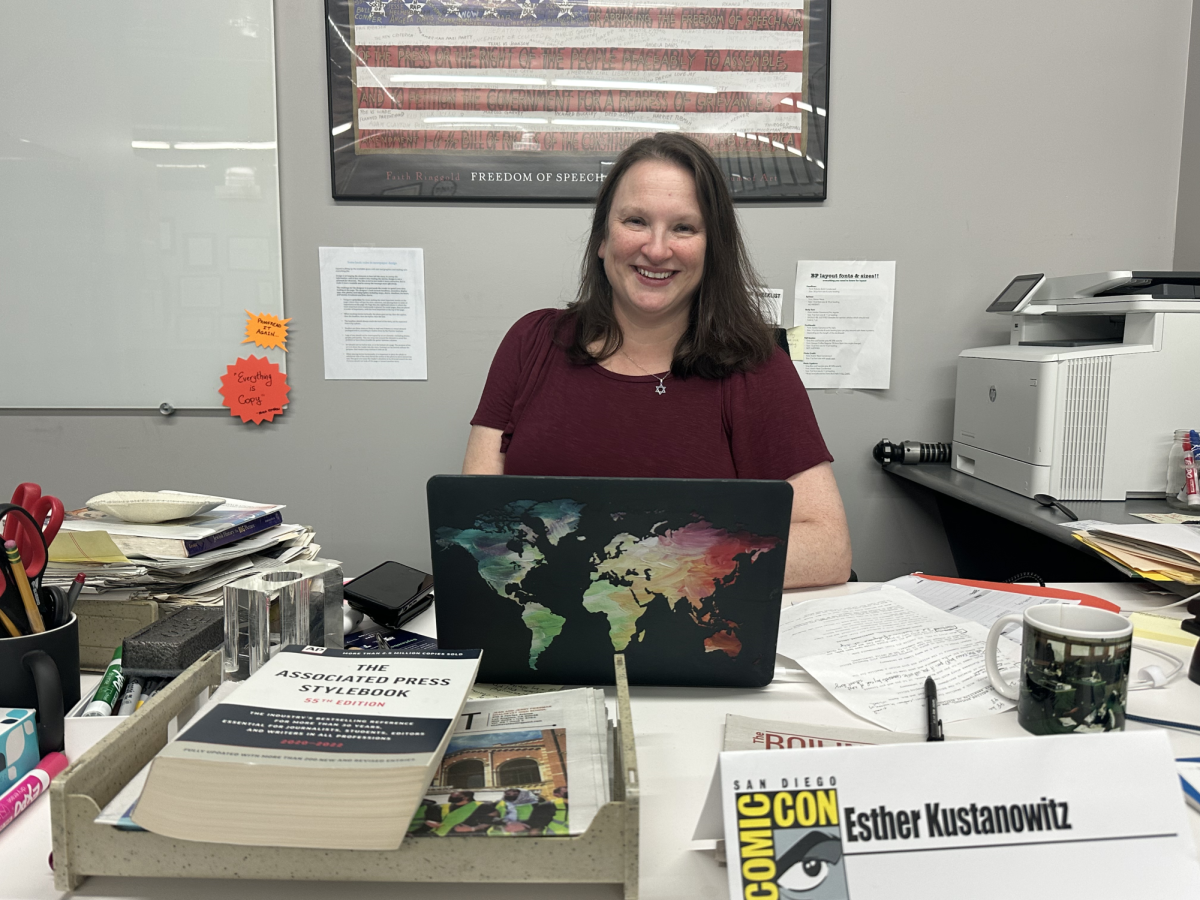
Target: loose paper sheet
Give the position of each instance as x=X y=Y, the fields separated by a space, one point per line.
x=845 y=310
x=974 y=603
x=1170 y=518
x=373 y=313
x=772 y=301
x=508 y=691
x=1183 y=538
x=873 y=651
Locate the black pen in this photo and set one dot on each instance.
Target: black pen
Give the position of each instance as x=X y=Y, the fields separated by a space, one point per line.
x=934 y=724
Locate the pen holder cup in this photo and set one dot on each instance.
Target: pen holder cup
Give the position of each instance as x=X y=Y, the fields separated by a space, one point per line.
x=41 y=672
x=298 y=603
x=1177 y=493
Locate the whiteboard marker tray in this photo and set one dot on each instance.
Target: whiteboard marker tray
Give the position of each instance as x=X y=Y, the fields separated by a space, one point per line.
x=607 y=853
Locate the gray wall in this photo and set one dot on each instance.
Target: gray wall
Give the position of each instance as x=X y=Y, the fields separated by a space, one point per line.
x=969 y=142
x=1187 y=227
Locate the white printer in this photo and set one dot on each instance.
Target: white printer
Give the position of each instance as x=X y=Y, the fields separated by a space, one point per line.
x=1083 y=402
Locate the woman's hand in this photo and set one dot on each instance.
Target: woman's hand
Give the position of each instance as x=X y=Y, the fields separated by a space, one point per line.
x=819 y=541
x=483 y=452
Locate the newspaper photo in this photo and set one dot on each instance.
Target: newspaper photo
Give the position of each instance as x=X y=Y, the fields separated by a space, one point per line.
x=521 y=767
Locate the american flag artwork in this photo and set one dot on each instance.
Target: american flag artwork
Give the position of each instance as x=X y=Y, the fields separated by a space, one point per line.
x=534 y=99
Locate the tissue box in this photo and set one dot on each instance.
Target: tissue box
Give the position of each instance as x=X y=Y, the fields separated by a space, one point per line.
x=18 y=745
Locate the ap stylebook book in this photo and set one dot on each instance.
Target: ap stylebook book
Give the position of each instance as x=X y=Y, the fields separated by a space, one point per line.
x=319 y=748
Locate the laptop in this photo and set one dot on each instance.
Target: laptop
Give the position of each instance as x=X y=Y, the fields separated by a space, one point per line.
x=551 y=576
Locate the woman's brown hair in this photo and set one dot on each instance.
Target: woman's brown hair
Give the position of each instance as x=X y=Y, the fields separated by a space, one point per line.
x=726 y=331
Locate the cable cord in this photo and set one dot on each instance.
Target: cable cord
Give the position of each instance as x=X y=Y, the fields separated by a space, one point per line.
x=1195 y=596
x=1153 y=676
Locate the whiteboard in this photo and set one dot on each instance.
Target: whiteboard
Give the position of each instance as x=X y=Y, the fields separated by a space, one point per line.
x=139 y=199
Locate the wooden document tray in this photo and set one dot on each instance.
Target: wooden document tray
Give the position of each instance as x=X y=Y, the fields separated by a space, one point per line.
x=607 y=853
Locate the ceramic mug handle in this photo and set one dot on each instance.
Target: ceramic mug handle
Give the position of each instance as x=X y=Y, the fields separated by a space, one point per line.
x=989 y=656
x=48 y=684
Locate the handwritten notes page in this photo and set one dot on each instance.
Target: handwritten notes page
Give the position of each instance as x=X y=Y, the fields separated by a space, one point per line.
x=873 y=651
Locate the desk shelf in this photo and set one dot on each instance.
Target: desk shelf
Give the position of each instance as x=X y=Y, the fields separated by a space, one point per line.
x=607 y=853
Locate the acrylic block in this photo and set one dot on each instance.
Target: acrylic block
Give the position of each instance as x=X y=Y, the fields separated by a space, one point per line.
x=297 y=603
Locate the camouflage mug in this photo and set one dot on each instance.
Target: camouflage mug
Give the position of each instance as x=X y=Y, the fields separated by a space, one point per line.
x=1074 y=668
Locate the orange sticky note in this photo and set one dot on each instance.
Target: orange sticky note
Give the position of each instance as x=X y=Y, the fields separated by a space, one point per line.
x=266 y=331
x=254 y=389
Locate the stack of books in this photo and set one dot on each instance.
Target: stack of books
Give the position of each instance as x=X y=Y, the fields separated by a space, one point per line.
x=185 y=561
x=1154 y=552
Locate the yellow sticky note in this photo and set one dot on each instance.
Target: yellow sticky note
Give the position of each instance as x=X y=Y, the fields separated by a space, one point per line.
x=266 y=330
x=1160 y=628
x=85 y=547
x=796 y=342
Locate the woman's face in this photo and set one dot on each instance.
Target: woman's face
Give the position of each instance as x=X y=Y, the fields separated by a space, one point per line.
x=654 y=250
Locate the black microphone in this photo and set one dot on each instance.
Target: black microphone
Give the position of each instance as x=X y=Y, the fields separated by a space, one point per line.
x=910 y=453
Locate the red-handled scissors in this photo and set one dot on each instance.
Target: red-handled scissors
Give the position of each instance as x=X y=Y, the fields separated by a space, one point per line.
x=48 y=512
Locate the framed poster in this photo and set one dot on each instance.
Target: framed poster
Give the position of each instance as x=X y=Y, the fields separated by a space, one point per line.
x=532 y=100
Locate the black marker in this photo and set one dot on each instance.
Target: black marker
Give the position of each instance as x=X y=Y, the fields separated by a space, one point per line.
x=934 y=724
x=73 y=594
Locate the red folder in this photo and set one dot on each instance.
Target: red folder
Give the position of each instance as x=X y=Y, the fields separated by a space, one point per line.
x=1031 y=589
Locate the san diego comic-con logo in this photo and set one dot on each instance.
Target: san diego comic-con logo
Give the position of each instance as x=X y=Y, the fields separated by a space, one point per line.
x=790 y=846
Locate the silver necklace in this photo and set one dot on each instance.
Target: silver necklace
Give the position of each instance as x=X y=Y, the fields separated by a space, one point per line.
x=662 y=388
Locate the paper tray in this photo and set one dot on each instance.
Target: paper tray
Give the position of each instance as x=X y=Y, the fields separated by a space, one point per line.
x=607 y=853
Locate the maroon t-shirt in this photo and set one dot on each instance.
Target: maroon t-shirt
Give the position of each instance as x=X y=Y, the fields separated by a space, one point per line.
x=559 y=418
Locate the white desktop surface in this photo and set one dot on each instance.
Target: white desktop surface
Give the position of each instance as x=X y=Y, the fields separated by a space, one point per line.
x=679 y=733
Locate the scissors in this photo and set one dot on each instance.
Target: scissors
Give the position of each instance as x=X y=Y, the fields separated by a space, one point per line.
x=46 y=510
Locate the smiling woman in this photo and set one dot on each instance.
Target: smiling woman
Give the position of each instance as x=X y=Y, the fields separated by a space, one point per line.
x=664 y=366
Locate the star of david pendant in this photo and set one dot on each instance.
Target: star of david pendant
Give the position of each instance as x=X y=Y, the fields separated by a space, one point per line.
x=661 y=389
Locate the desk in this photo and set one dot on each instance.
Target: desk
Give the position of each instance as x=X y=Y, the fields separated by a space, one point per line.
x=995 y=534
x=679 y=733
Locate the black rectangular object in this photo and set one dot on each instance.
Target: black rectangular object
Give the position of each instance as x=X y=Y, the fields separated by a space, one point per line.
x=1015 y=293
x=167 y=647
x=551 y=576
x=391 y=593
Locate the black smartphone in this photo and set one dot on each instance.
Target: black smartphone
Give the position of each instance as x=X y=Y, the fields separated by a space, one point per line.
x=391 y=593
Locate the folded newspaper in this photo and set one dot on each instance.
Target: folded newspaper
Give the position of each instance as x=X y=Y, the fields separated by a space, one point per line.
x=522 y=766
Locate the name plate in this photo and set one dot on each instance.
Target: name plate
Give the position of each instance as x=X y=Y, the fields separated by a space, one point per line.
x=1047 y=816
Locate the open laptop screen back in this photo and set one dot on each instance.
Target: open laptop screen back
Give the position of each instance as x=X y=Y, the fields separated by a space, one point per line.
x=551 y=576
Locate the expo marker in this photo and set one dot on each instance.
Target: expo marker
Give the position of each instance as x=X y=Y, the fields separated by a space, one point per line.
x=1189 y=473
x=110 y=688
x=21 y=795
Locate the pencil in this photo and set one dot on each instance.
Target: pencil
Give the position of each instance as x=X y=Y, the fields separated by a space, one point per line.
x=31 y=610
x=12 y=629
